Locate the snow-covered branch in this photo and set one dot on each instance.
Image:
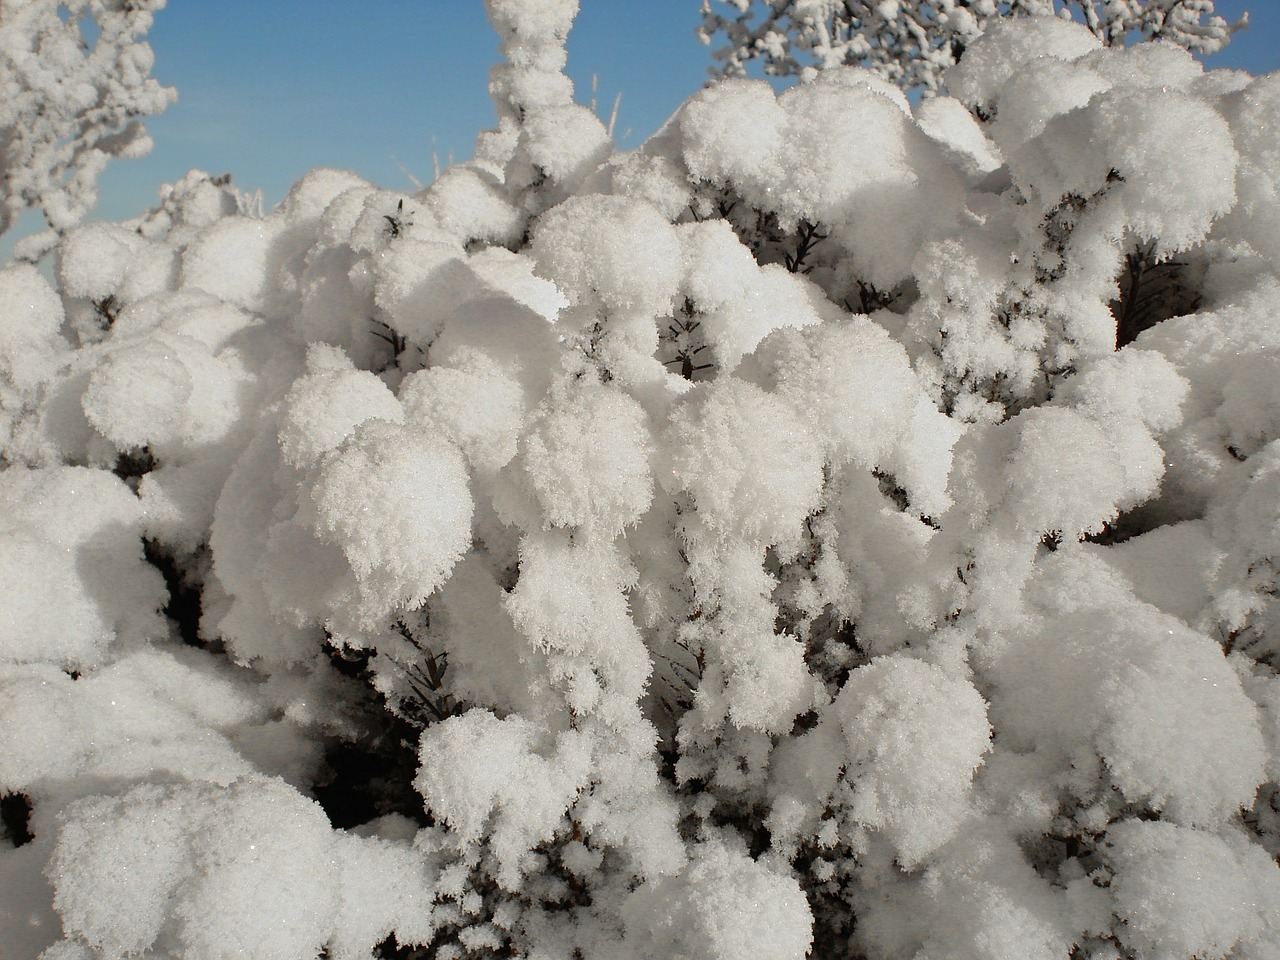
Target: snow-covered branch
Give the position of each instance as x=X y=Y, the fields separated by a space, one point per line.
x=67 y=106
x=912 y=42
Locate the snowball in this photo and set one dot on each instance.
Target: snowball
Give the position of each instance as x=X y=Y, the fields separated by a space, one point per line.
x=396 y=501
x=117 y=863
x=1133 y=383
x=387 y=216
x=417 y=283
x=564 y=143
x=188 y=313
x=43 y=733
x=384 y=888
x=479 y=407
x=723 y=907
x=1147 y=137
x=232 y=259
x=341 y=215
x=1181 y=893
x=205 y=872
x=70 y=542
x=265 y=883
x=751 y=464
x=471 y=205
x=1008 y=44
x=37 y=578
x=901 y=189
x=140 y=394
x=865 y=134
x=476 y=766
x=1148 y=65
x=1108 y=470
x=571 y=598
x=325 y=407
x=850 y=381
x=766 y=681
x=774 y=298
x=914 y=737
x=585 y=455
x=719 y=268
x=1181 y=733
x=94 y=259
x=1037 y=92
x=733 y=133
x=513 y=336
x=312 y=193
x=609 y=253
x=980 y=899
x=657 y=179
x=30 y=311
x=1104 y=676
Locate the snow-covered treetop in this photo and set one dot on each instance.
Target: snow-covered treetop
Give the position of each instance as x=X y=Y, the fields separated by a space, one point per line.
x=911 y=42
x=67 y=107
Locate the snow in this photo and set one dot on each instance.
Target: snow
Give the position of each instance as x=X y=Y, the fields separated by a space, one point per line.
x=230 y=259
x=1182 y=893
x=476 y=405
x=208 y=872
x=325 y=407
x=70 y=544
x=724 y=905
x=913 y=796
x=748 y=461
x=585 y=456
x=733 y=132
x=991 y=60
x=588 y=247
x=397 y=502
x=477 y=766
x=832 y=527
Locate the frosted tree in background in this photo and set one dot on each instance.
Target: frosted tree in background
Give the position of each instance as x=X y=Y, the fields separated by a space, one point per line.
x=68 y=107
x=911 y=42
x=834 y=528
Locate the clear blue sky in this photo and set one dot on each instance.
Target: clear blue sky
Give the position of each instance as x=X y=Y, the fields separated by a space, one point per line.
x=269 y=89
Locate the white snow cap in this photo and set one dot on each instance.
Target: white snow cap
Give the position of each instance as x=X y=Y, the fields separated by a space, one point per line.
x=585 y=457
x=1008 y=44
x=914 y=737
x=749 y=460
x=610 y=254
x=397 y=502
x=206 y=872
x=723 y=907
x=1184 y=893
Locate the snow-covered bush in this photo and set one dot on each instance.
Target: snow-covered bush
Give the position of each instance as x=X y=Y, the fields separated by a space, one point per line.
x=833 y=527
x=913 y=42
x=66 y=107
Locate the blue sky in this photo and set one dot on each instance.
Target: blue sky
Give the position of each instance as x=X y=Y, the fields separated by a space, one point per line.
x=269 y=89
